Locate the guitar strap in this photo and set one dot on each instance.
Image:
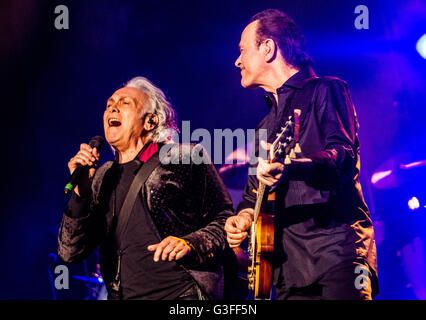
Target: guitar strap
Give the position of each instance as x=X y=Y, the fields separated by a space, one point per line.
x=123 y=218
x=129 y=201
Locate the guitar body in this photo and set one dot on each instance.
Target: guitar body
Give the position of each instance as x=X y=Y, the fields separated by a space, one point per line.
x=265 y=248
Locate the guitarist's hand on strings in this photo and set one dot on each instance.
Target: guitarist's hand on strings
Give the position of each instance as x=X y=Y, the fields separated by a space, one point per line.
x=236 y=227
x=269 y=173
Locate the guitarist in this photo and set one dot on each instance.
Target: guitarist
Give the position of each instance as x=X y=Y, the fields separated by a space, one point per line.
x=324 y=244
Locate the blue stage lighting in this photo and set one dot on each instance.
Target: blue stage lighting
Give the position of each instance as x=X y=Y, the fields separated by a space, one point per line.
x=421 y=46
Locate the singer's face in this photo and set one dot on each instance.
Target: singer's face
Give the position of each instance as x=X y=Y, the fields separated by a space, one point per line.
x=122 y=117
x=251 y=61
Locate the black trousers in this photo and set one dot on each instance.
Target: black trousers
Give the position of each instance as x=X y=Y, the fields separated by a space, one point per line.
x=193 y=293
x=345 y=281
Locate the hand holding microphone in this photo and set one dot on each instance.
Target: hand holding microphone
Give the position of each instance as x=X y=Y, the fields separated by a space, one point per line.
x=83 y=167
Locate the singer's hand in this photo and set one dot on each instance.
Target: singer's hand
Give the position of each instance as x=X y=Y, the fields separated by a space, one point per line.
x=171 y=248
x=87 y=156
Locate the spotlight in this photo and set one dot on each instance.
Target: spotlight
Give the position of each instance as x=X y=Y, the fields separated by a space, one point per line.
x=413 y=203
x=421 y=46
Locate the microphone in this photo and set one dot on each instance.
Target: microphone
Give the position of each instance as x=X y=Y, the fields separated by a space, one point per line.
x=96 y=142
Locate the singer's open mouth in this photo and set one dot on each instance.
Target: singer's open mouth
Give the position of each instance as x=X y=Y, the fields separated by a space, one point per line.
x=113 y=122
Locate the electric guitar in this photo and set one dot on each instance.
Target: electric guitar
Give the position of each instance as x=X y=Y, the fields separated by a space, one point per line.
x=261 y=243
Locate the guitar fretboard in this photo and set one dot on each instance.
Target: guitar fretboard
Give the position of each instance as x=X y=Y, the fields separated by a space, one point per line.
x=259 y=198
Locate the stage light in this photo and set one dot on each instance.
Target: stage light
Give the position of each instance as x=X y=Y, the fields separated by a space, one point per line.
x=413 y=203
x=378 y=176
x=421 y=46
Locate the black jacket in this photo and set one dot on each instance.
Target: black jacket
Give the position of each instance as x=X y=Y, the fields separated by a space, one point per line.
x=321 y=217
x=184 y=199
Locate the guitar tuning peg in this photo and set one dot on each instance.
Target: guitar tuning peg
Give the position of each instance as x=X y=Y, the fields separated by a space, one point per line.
x=287 y=160
x=297 y=148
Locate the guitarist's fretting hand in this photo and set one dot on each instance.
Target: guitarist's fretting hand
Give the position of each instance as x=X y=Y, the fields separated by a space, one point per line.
x=236 y=227
x=268 y=173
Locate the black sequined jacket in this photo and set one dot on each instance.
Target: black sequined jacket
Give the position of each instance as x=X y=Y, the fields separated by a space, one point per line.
x=185 y=198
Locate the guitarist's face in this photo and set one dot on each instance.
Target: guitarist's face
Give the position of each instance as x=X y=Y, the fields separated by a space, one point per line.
x=253 y=59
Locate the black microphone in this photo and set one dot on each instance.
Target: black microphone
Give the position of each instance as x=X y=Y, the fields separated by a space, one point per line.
x=96 y=142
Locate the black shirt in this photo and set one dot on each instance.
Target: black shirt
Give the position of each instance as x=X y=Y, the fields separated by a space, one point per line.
x=185 y=199
x=321 y=217
x=141 y=277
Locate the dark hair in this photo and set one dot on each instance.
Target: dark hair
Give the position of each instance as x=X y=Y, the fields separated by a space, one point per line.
x=278 y=26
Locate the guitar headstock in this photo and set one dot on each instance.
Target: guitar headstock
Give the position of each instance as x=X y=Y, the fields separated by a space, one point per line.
x=286 y=144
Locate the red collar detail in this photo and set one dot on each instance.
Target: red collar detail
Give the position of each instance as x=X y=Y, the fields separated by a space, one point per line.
x=148 y=152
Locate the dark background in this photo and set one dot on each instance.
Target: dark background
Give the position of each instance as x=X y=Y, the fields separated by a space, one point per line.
x=54 y=85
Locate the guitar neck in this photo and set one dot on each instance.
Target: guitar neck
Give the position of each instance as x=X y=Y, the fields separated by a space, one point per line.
x=259 y=200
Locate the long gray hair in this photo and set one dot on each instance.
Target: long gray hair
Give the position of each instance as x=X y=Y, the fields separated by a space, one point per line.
x=167 y=119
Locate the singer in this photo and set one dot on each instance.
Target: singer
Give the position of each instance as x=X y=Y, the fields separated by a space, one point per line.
x=169 y=242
